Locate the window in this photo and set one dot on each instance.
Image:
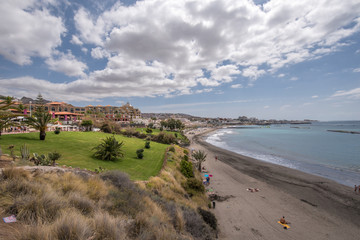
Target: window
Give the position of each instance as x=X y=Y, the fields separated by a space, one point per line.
x=59 y=109
x=65 y=109
x=72 y=110
x=53 y=109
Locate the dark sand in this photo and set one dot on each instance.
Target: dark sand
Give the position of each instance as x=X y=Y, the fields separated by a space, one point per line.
x=317 y=208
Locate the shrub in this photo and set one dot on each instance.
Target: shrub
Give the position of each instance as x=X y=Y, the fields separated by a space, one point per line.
x=107 y=227
x=106 y=128
x=208 y=217
x=25 y=153
x=72 y=226
x=57 y=130
x=142 y=135
x=109 y=149
x=186 y=157
x=147 y=144
x=172 y=149
x=140 y=153
x=53 y=156
x=176 y=135
x=195 y=225
x=166 y=138
x=148 y=130
x=195 y=185
x=83 y=204
x=186 y=169
x=42 y=160
x=119 y=179
x=186 y=152
x=33 y=209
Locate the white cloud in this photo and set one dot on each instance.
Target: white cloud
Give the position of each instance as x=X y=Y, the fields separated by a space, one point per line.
x=28 y=30
x=168 y=48
x=356 y=70
x=294 y=79
x=350 y=94
x=266 y=107
x=281 y=75
x=75 y=40
x=285 y=107
x=237 y=86
x=315 y=96
x=99 y=53
x=67 y=64
x=84 y=50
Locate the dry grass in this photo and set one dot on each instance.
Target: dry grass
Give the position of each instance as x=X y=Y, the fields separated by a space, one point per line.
x=108 y=206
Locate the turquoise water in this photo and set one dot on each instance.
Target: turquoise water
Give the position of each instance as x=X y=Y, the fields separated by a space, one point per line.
x=309 y=147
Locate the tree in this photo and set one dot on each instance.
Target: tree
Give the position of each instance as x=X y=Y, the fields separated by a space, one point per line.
x=41 y=118
x=200 y=157
x=109 y=149
x=6 y=117
x=87 y=124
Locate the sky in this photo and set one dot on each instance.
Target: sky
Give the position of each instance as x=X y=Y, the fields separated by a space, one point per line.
x=277 y=59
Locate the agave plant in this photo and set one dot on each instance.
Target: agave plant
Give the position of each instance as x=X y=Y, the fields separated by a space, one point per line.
x=109 y=149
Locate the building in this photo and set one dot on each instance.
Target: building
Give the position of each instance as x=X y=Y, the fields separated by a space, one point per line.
x=69 y=114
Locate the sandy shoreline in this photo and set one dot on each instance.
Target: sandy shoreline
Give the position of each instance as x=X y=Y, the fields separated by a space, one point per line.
x=317 y=208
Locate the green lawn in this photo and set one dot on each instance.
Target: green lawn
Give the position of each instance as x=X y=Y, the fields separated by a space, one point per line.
x=76 y=150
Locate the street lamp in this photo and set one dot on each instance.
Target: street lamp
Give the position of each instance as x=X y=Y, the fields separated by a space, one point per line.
x=30 y=108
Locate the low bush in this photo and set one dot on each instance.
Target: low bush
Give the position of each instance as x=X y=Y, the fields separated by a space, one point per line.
x=109 y=149
x=172 y=149
x=195 y=225
x=106 y=128
x=208 y=217
x=107 y=227
x=193 y=185
x=186 y=157
x=186 y=169
x=72 y=226
x=81 y=203
x=165 y=138
x=54 y=156
x=140 y=153
x=147 y=144
x=57 y=130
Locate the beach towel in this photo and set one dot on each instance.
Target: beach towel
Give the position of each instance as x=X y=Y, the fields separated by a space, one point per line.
x=284 y=225
x=10 y=219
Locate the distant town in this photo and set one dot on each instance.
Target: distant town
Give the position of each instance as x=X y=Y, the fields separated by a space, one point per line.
x=127 y=115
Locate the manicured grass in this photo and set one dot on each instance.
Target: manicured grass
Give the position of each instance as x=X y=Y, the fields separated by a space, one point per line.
x=76 y=150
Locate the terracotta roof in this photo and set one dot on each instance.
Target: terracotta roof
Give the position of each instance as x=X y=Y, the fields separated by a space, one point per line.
x=56 y=103
x=66 y=113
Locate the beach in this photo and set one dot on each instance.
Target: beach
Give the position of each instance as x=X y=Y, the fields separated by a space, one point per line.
x=317 y=208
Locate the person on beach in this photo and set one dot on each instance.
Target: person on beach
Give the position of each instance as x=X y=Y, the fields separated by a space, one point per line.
x=356 y=188
x=282 y=221
x=213 y=204
x=216 y=158
x=207 y=180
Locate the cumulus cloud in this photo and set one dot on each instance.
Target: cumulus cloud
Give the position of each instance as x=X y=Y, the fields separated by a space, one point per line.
x=237 y=86
x=294 y=79
x=171 y=47
x=28 y=30
x=99 y=53
x=356 y=70
x=315 y=96
x=350 y=94
x=75 y=40
x=67 y=64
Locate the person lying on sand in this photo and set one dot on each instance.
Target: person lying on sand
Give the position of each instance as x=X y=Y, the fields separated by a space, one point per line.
x=253 y=189
x=282 y=221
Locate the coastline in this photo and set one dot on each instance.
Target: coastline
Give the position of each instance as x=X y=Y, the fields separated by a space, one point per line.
x=318 y=208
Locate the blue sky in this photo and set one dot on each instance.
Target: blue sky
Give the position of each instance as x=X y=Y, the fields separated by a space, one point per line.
x=221 y=58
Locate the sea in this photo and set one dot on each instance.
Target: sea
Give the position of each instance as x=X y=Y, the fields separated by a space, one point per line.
x=310 y=148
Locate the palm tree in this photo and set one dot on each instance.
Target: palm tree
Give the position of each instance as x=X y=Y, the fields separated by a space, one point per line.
x=200 y=157
x=6 y=116
x=39 y=120
x=109 y=149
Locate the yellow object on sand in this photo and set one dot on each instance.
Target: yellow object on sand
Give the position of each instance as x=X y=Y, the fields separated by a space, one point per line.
x=285 y=225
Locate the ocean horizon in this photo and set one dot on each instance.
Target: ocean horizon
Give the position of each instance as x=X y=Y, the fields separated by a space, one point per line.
x=310 y=148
